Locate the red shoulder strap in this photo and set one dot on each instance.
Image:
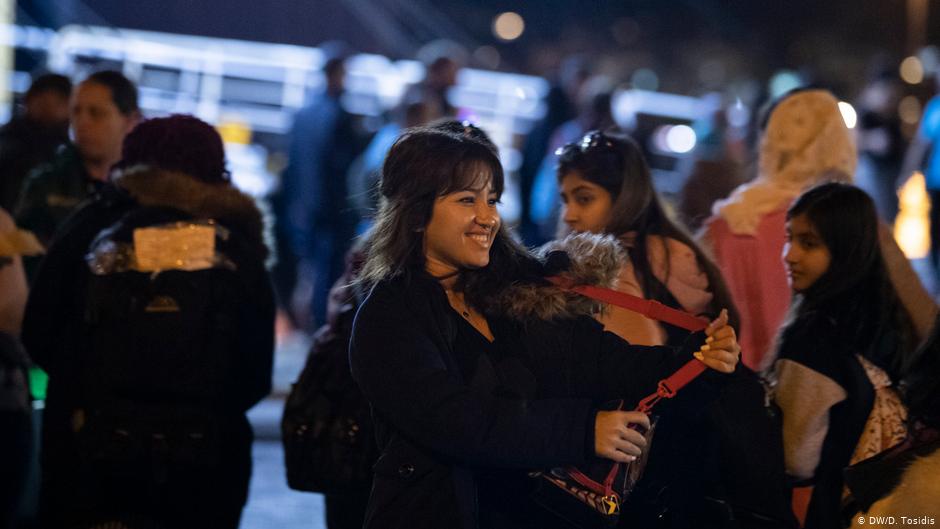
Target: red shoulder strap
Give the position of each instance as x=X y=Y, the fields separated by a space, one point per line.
x=667 y=387
x=647 y=307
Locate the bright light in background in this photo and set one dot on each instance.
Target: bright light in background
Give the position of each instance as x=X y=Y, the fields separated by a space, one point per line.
x=680 y=139
x=911 y=226
x=508 y=26
x=909 y=110
x=912 y=71
x=676 y=139
x=848 y=114
x=645 y=79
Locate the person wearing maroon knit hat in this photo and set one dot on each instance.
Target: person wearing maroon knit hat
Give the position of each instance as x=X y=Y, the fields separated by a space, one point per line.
x=189 y=465
x=177 y=143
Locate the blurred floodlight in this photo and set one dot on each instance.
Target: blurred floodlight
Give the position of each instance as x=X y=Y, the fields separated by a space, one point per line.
x=912 y=71
x=909 y=110
x=680 y=139
x=508 y=26
x=645 y=79
x=783 y=81
x=912 y=226
x=848 y=114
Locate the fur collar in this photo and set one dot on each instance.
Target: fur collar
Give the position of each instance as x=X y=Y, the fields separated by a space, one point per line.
x=592 y=260
x=152 y=187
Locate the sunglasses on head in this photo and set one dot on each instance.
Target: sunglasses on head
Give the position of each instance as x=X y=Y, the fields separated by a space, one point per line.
x=589 y=142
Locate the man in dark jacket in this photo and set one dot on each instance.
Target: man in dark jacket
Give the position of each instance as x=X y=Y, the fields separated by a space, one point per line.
x=32 y=138
x=320 y=218
x=103 y=110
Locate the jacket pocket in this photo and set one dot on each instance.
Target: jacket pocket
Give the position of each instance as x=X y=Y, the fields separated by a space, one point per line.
x=411 y=490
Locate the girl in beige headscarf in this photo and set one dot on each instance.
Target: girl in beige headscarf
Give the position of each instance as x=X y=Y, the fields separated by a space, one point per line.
x=805 y=142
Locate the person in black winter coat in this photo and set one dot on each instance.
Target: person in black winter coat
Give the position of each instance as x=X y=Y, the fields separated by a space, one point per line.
x=476 y=369
x=172 y=171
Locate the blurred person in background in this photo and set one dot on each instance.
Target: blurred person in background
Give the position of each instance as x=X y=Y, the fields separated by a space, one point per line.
x=150 y=374
x=365 y=172
x=594 y=113
x=559 y=108
x=717 y=166
x=320 y=217
x=442 y=60
x=804 y=142
x=103 y=110
x=33 y=137
x=927 y=141
x=880 y=141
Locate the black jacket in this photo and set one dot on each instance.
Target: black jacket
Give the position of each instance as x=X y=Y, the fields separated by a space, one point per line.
x=55 y=329
x=437 y=433
x=25 y=144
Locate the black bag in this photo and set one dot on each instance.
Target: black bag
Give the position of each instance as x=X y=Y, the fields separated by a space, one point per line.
x=329 y=445
x=601 y=484
x=157 y=367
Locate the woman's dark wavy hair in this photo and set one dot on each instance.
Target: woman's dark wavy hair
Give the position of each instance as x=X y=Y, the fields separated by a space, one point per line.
x=855 y=291
x=426 y=163
x=616 y=163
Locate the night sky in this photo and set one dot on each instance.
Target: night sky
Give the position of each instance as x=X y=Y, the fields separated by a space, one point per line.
x=773 y=34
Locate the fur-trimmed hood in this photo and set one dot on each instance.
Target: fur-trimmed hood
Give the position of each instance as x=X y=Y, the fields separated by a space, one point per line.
x=152 y=187
x=584 y=258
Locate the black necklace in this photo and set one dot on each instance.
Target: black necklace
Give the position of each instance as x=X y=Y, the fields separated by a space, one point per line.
x=464 y=312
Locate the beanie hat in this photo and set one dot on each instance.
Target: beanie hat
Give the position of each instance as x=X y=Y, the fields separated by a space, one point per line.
x=177 y=143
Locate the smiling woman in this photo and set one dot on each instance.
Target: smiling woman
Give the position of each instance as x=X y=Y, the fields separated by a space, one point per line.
x=470 y=383
x=461 y=230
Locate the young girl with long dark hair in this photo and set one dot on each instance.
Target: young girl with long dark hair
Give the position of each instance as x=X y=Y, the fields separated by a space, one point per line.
x=844 y=342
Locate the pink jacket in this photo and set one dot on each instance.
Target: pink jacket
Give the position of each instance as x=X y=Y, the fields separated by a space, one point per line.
x=752 y=266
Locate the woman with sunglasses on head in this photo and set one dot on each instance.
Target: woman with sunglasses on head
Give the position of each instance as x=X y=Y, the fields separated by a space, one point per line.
x=463 y=382
x=606 y=188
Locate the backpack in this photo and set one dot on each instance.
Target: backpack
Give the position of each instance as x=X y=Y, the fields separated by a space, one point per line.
x=329 y=444
x=156 y=367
